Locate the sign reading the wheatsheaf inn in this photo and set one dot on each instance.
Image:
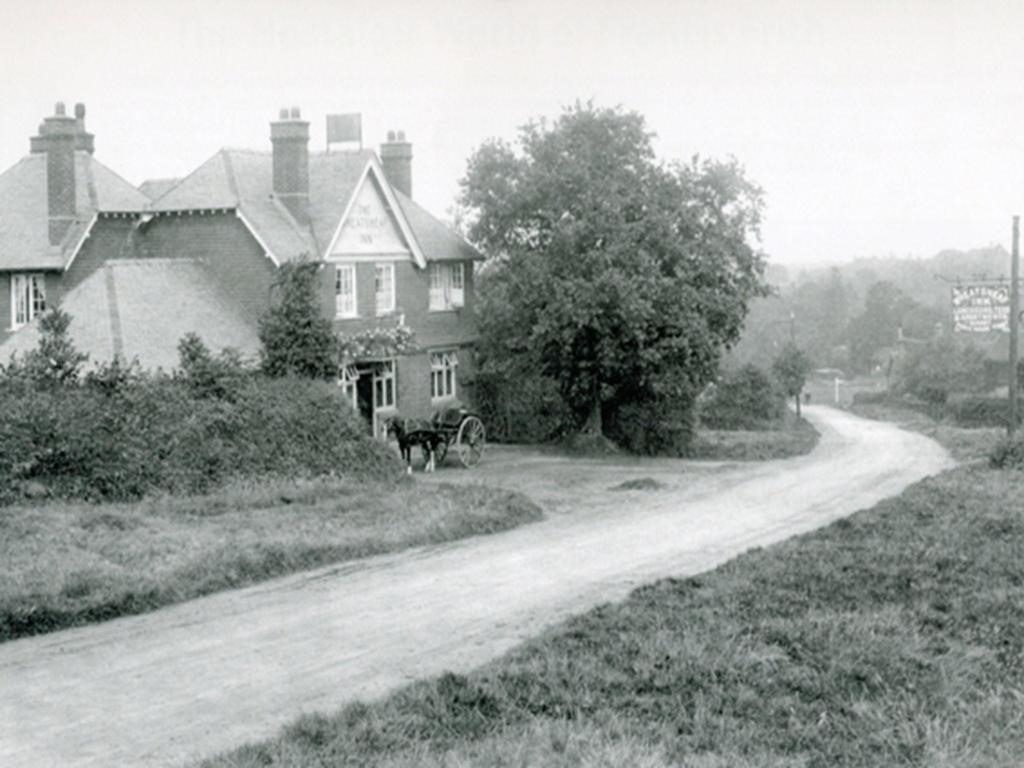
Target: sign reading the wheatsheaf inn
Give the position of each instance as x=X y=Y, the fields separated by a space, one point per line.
x=981 y=308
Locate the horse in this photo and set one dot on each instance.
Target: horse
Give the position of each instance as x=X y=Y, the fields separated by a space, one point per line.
x=410 y=432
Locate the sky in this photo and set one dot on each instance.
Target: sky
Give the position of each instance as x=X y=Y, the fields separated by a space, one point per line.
x=874 y=128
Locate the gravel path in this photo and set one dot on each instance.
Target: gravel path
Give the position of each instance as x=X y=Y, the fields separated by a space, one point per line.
x=167 y=687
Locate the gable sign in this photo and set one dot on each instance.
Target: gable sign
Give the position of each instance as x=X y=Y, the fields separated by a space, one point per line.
x=369 y=228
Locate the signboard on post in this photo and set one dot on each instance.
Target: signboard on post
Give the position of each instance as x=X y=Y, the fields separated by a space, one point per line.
x=981 y=307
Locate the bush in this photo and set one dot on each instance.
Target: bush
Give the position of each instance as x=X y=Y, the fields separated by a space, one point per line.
x=936 y=370
x=870 y=398
x=1008 y=453
x=526 y=408
x=746 y=398
x=979 y=411
x=655 y=427
x=157 y=435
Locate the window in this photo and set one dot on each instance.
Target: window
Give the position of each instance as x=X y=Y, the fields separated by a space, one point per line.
x=384 y=385
x=345 y=290
x=28 y=298
x=442 y=374
x=347 y=377
x=447 y=286
x=385 y=282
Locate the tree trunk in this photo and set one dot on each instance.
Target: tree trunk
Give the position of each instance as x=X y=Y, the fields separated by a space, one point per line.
x=798 y=405
x=594 y=425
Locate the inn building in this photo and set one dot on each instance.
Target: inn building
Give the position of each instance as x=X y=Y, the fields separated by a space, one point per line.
x=137 y=269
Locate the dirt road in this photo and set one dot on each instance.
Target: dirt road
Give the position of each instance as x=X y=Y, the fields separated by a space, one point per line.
x=184 y=682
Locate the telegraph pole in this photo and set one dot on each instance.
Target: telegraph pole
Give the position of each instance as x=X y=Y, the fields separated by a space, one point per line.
x=1014 y=323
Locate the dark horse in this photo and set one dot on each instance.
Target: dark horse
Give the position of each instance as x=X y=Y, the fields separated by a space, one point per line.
x=410 y=432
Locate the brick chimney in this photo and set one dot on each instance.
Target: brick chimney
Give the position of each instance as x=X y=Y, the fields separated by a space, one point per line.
x=396 y=157
x=58 y=136
x=84 y=141
x=290 y=138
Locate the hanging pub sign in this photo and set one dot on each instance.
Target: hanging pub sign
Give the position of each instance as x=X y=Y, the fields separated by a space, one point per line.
x=981 y=307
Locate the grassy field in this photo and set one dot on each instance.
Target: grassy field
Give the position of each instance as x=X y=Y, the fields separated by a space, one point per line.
x=70 y=564
x=892 y=638
x=794 y=437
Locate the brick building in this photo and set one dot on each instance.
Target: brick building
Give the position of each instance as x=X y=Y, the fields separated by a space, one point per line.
x=138 y=268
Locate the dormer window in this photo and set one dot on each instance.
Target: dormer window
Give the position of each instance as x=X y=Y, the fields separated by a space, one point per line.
x=28 y=298
x=447 y=286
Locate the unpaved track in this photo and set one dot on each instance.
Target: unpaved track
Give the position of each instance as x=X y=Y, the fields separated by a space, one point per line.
x=184 y=682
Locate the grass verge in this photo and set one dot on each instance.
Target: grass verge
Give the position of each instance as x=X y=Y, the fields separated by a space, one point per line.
x=894 y=637
x=68 y=564
x=965 y=445
x=793 y=437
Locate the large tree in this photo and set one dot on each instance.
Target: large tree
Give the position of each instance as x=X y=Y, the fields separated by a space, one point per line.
x=617 y=276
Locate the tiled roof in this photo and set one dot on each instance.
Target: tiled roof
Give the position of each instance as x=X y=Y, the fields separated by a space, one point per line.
x=24 y=238
x=438 y=241
x=243 y=180
x=154 y=188
x=140 y=308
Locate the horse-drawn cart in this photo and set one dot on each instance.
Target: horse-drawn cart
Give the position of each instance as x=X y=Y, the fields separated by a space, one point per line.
x=455 y=428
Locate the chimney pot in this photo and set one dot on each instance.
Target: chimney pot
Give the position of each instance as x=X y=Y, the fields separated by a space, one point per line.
x=283 y=114
x=401 y=135
x=296 y=114
x=391 y=135
x=80 y=111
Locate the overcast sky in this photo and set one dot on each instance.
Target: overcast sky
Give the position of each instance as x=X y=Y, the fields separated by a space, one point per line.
x=874 y=127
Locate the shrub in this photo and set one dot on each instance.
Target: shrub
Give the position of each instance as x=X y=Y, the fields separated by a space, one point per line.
x=525 y=408
x=745 y=398
x=654 y=427
x=158 y=435
x=1008 y=453
x=979 y=411
x=870 y=398
x=297 y=338
x=934 y=371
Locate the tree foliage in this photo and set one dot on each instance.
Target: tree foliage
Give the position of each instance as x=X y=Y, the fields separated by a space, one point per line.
x=616 y=276
x=297 y=338
x=790 y=368
x=55 y=361
x=934 y=371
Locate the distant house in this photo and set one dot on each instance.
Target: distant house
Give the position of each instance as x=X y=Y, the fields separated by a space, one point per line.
x=137 y=269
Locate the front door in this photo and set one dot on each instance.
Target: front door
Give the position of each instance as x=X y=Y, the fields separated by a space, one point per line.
x=384 y=396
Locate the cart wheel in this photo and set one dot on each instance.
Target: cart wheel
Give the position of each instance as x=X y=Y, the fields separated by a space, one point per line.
x=470 y=441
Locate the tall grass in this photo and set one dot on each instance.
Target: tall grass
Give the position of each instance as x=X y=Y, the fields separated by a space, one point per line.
x=67 y=564
x=892 y=638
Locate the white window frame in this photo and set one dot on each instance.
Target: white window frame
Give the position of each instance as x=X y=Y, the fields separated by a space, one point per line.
x=447 y=286
x=443 y=375
x=385 y=395
x=348 y=376
x=345 y=305
x=29 y=290
x=385 y=300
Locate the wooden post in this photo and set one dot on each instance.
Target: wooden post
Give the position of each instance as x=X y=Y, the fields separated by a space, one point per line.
x=1014 y=323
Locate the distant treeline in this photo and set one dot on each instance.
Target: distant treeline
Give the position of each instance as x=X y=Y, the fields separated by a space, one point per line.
x=852 y=316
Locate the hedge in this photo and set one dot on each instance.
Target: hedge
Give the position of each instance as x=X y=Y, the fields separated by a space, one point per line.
x=154 y=433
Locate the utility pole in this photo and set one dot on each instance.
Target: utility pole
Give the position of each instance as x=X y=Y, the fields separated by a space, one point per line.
x=1014 y=323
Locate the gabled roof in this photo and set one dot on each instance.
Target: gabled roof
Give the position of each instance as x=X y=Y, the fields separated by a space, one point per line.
x=154 y=188
x=242 y=180
x=140 y=309
x=24 y=218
